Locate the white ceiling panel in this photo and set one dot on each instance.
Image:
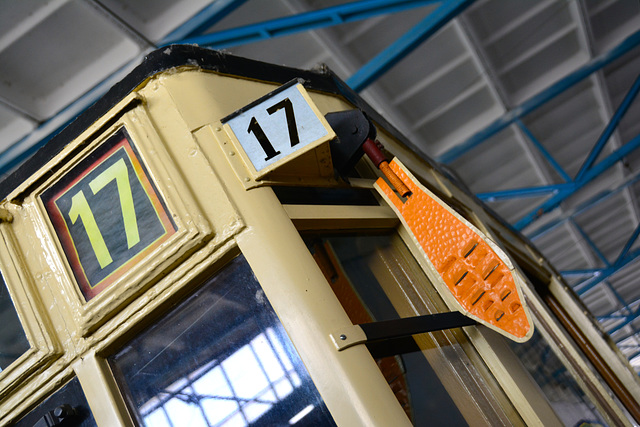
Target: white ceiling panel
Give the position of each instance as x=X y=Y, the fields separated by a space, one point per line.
x=41 y=81
x=13 y=127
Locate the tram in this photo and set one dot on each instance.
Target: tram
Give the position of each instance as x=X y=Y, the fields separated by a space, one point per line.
x=220 y=241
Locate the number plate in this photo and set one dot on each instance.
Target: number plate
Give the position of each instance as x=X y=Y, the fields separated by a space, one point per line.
x=107 y=214
x=278 y=127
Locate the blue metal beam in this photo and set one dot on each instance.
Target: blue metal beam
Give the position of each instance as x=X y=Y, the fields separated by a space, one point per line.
x=543 y=190
x=600 y=197
x=403 y=46
x=627 y=321
x=545 y=153
x=628 y=244
x=547 y=94
x=22 y=149
x=306 y=21
x=203 y=20
x=590 y=243
x=610 y=128
x=25 y=147
x=582 y=272
x=589 y=176
x=586 y=285
x=633 y=355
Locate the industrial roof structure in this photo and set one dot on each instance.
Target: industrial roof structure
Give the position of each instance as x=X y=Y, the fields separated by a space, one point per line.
x=530 y=103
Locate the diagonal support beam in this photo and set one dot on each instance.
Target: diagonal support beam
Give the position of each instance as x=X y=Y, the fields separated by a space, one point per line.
x=582 y=272
x=287 y=25
x=203 y=20
x=591 y=174
x=610 y=128
x=586 y=285
x=541 y=98
x=545 y=153
x=515 y=193
x=628 y=244
x=590 y=243
x=627 y=321
x=403 y=46
x=583 y=207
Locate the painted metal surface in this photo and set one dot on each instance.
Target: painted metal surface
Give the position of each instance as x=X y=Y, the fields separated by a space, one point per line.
x=306 y=21
x=404 y=45
x=203 y=20
x=575 y=186
x=472 y=274
x=541 y=98
x=278 y=127
x=545 y=153
x=12 y=162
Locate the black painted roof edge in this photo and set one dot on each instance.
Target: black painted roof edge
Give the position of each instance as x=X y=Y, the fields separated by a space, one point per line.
x=174 y=56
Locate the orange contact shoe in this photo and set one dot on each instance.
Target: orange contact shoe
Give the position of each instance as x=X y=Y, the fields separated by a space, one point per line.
x=470 y=271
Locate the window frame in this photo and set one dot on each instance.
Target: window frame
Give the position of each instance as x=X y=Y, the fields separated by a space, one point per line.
x=44 y=347
x=505 y=367
x=180 y=205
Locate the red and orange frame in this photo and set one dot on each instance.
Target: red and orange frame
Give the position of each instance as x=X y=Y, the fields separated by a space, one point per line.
x=119 y=141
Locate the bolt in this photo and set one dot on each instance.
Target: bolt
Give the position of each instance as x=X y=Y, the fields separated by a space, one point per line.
x=63 y=411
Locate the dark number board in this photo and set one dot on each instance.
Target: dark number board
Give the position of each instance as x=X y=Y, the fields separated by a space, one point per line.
x=107 y=214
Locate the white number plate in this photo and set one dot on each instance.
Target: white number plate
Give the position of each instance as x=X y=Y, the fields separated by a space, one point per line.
x=274 y=128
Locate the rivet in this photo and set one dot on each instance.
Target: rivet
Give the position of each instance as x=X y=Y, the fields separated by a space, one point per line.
x=343 y=337
x=232 y=153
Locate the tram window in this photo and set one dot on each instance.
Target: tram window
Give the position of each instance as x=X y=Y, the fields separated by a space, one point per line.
x=565 y=396
x=433 y=379
x=371 y=267
x=13 y=341
x=219 y=358
x=66 y=407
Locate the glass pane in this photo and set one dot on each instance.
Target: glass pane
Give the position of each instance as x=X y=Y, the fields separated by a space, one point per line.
x=13 y=341
x=66 y=407
x=434 y=379
x=219 y=358
x=565 y=396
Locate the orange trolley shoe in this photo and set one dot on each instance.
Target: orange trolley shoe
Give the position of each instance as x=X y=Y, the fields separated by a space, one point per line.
x=471 y=272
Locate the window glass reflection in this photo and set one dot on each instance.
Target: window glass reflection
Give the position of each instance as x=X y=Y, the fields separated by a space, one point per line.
x=13 y=341
x=361 y=269
x=570 y=402
x=221 y=358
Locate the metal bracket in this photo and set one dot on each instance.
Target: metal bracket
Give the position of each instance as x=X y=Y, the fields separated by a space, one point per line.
x=399 y=328
x=56 y=417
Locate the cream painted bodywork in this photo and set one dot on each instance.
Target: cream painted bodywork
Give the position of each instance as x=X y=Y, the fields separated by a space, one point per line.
x=174 y=120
